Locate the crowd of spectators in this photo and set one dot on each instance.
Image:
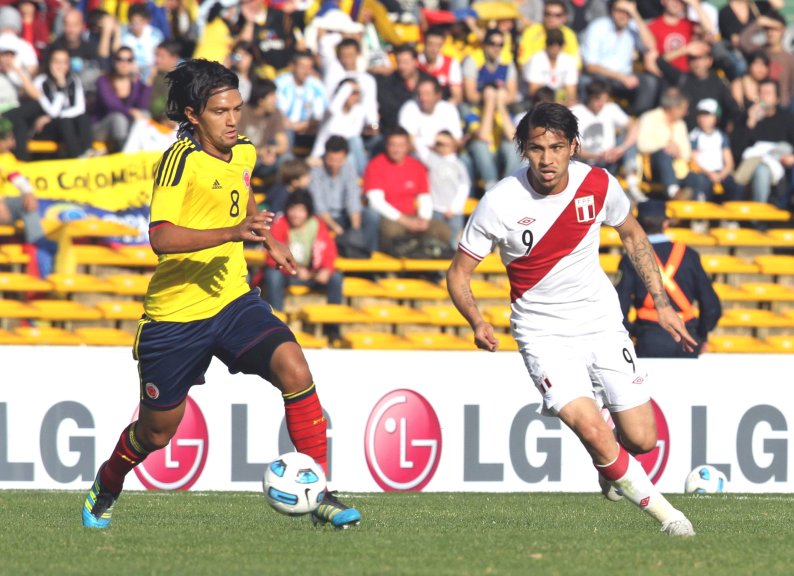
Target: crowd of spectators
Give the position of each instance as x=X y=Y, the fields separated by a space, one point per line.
x=391 y=113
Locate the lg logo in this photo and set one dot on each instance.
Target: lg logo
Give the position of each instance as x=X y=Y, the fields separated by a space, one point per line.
x=655 y=461
x=402 y=441
x=178 y=465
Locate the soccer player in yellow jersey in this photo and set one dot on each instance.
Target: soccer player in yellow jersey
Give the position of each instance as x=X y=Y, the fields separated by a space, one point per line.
x=199 y=304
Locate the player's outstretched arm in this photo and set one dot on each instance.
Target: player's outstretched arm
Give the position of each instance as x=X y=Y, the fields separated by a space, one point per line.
x=459 y=288
x=642 y=256
x=168 y=238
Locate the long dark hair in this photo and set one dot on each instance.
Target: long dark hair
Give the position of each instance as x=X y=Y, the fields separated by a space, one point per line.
x=191 y=84
x=551 y=116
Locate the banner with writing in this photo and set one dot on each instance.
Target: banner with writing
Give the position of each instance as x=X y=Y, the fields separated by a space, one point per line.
x=114 y=187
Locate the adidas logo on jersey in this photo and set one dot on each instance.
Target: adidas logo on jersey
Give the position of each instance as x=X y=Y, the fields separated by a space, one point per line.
x=216 y=185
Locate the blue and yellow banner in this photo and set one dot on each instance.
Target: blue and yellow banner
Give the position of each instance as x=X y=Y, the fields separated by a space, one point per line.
x=114 y=187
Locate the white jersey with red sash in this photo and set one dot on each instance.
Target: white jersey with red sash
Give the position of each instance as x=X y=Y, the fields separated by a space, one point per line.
x=549 y=245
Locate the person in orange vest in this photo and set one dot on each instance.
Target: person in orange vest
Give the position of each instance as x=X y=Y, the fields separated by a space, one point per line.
x=686 y=283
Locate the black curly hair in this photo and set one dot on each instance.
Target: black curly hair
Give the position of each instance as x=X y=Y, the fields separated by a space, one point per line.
x=551 y=116
x=191 y=84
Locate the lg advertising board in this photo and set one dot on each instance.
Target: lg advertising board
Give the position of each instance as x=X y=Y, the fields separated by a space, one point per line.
x=419 y=421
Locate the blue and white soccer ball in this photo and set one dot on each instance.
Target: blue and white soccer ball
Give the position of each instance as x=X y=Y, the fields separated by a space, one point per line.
x=294 y=484
x=705 y=479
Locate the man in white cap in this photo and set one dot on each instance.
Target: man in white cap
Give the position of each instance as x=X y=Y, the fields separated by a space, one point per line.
x=10 y=27
x=711 y=153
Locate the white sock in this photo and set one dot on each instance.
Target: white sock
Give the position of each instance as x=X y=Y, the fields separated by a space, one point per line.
x=638 y=488
x=672 y=190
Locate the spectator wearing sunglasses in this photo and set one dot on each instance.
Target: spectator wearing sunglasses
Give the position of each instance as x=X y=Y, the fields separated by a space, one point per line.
x=533 y=39
x=122 y=97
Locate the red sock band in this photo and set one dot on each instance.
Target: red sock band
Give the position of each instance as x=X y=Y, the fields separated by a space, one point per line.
x=127 y=454
x=306 y=425
x=617 y=469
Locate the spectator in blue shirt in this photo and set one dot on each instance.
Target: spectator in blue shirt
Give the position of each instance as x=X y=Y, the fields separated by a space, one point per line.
x=301 y=97
x=608 y=47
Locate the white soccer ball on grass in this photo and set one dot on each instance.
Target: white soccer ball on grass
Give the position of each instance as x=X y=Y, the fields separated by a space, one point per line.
x=294 y=484
x=705 y=479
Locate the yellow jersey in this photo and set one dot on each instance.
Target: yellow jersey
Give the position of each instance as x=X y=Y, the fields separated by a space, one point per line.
x=194 y=189
x=533 y=40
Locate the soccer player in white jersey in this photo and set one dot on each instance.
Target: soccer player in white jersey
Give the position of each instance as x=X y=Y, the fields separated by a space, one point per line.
x=565 y=312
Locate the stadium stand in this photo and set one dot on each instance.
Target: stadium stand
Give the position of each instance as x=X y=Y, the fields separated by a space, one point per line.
x=390 y=303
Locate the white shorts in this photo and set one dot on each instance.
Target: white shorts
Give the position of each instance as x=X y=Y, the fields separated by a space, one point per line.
x=604 y=368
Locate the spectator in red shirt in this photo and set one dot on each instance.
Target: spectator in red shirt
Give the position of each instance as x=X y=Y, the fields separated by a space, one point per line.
x=673 y=31
x=444 y=68
x=398 y=193
x=314 y=249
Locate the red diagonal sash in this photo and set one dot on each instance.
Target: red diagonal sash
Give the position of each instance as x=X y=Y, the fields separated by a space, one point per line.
x=564 y=235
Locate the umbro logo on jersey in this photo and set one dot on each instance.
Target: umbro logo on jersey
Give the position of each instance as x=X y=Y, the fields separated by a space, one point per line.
x=526 y=221
x=216 y=185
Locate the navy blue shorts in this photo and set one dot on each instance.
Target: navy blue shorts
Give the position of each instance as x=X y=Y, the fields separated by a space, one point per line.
x=173 y=356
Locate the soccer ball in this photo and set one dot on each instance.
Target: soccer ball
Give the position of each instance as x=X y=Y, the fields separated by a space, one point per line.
x=294 y=484
x=705 y=479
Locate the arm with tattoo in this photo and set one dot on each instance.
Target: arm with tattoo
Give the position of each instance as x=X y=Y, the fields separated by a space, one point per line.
x=643 y=258
x=459 y=287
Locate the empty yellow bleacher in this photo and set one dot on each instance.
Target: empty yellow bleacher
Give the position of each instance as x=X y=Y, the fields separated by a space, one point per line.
x=610 y=237
x=767 y=292
x=695 y=210
x=609 y=262
x=310 y=341
x=47 y=335
x=7 y=337
x=21 y=282
x=128 y=284
x=120 y=310
x=377 y=263
x=727 y=264
x=63 y=311
x=498 y=316
x=783 y=343
x=100 y=336
x=444 y=316
x=763 y=211
x=775 y=264
x=317 y=315
x=491 y=264
x=730 y=293
x=690 y=237
x=781 y=237
x=73 y=283
x=355 y=287
x=374 y=341
x=394 y=315
x=411 y=289
x=14 y=309
x=439 y=341
x=753 y=318
x=141 y=256
x=14 y=255
x=738 y=345
x=739 y=237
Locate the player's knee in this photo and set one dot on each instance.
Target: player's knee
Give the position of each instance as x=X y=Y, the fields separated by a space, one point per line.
x=596 y=437
x=151 y=439
x=291 y=378
x=289 y=370
x=640 y=443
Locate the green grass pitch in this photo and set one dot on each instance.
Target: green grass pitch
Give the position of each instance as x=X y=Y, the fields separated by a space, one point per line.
x=404 y=533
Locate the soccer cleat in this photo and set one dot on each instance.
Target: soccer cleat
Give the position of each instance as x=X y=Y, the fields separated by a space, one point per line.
x=609 y=491
x=333 y=511
x=678 y=526
x=98 y=506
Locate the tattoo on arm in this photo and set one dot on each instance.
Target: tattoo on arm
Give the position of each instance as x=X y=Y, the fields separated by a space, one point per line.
x=643 y=258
